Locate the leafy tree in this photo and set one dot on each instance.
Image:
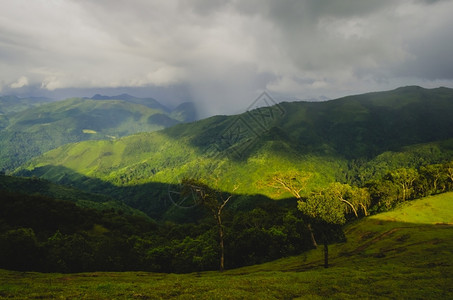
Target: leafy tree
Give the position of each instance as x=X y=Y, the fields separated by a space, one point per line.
x=293 y=182
x=355 y=199
x=194 y=254
x=384 y=194
x=449 y=171
x=432 y=180
x=326 y=213
x=328 y=208
x=404 y=178
x=19 y=249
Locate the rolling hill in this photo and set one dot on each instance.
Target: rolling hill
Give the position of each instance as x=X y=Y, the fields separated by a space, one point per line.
x=12 y=104
x=402 y=254
x=33 y=131
x=351 y=139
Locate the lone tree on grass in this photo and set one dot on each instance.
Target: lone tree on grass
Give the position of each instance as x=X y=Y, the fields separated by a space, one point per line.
x=327 y=209
x=214 y=201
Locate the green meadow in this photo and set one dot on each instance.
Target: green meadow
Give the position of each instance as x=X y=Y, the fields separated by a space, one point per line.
x=406 y=253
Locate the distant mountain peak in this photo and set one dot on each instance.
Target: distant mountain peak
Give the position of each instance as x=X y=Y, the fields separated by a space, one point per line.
x=409 y=88
x=118 y=97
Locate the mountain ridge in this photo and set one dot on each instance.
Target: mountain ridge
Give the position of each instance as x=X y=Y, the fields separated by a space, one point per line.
x=333 y=140
x=37 y=129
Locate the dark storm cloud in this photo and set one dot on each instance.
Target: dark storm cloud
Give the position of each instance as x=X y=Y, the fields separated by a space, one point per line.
x=224 y=52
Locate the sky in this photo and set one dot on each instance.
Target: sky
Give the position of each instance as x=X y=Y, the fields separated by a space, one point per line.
x=221 y=54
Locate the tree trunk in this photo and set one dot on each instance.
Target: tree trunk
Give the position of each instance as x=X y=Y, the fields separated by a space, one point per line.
x=364 y=209
x=404 y=191
x=352 y=206
x=450 y=173
x=312 y=236
x=222 y=248
x=326 y=255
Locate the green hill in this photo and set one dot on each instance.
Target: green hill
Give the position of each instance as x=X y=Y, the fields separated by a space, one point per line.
x=402 y=254
x=352 y=139
x=12 y=104
x=30 y=132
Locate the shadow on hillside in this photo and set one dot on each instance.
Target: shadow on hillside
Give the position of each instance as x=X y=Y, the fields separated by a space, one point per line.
x=353 y=127
x=160 y=201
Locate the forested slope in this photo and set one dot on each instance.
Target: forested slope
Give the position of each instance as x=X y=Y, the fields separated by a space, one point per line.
x=350 y=140
x=28 y=133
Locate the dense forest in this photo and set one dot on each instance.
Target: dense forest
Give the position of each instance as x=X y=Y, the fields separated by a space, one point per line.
x=44 y=234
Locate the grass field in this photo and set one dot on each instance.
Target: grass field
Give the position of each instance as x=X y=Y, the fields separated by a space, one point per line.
x=403 y=254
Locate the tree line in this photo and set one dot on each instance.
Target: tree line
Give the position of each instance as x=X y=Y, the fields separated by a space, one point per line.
x=326 y=209
x=39 y=233
x=405 y=184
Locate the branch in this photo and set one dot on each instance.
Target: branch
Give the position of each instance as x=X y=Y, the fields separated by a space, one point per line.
x=227 y=199
x=352 y=206
x=286 y=186
x=364 y=209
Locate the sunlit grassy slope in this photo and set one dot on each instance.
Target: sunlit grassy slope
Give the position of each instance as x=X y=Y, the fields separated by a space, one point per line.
x=32 y=131
x=323 y=138
x=403 y=254
x=352 y=140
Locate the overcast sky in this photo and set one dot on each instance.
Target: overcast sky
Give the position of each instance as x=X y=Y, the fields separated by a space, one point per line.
x=220 y=53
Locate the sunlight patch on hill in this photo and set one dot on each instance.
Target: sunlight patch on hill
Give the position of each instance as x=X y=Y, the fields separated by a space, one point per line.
x=430 y=210
x=89 y=131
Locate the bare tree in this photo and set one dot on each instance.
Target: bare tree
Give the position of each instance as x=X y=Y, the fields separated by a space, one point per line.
x=293 y=182
x=215 y=202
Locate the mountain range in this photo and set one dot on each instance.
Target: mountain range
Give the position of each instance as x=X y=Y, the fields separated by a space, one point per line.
x=278 y=179
x=352 y=139
x=32 y=126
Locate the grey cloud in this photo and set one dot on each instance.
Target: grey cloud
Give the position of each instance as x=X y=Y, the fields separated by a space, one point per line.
x=432 y=56
x=225 y=52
